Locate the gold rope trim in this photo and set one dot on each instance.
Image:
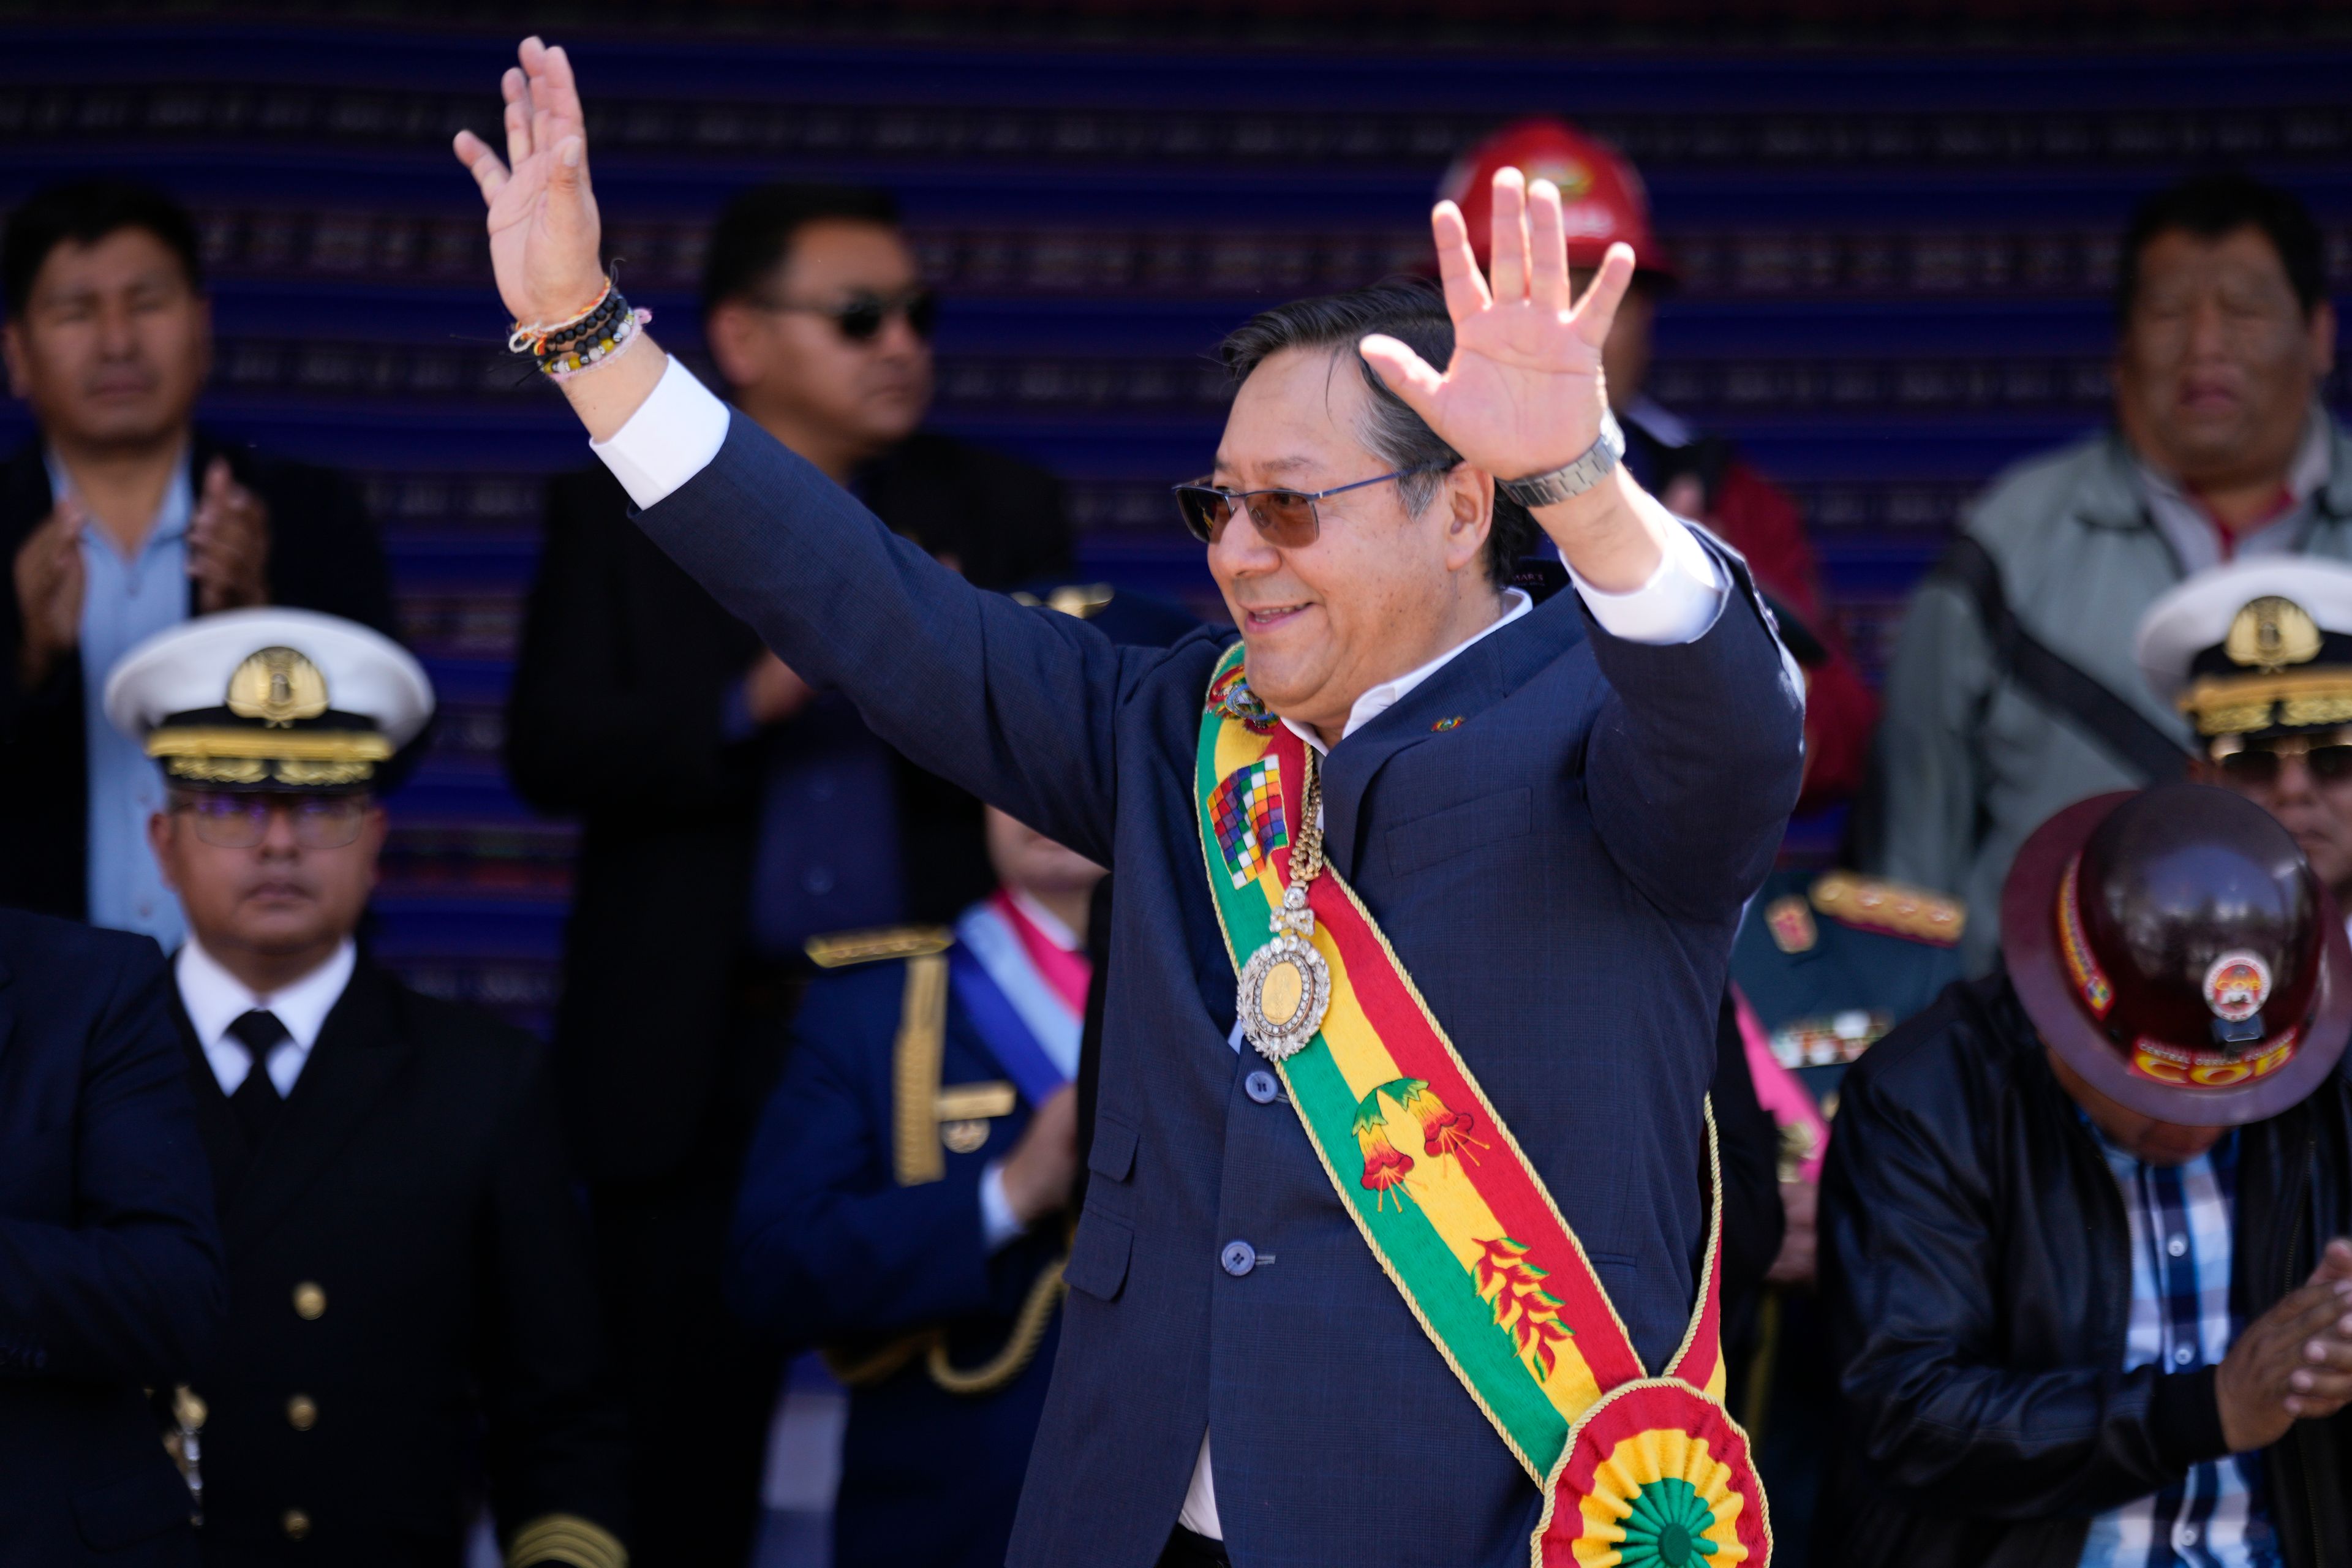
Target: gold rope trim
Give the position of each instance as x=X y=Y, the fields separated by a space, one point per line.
x=566 y=1537
x=915 y=1070
x=270 y=745
x=2231 y=704
x=860 y=1373
x=1028 y=1329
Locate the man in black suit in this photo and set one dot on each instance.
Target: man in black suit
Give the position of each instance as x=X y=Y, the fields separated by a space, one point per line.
x=110 y=1258
x=732 y=811
x=407 y=1267
x=115 y=500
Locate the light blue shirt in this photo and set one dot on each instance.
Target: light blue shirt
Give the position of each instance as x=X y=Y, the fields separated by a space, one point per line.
x=124 y=602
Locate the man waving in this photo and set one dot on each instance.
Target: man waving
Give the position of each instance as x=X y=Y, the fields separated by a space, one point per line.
x=1376 y=1155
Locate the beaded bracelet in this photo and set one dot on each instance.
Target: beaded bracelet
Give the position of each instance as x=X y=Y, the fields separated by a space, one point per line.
x=532 y=339
x=582 y=341
x=586 y=355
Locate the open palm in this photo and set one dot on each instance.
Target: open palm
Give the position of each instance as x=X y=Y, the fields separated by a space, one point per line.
x=1523 y=394
x=543 y=215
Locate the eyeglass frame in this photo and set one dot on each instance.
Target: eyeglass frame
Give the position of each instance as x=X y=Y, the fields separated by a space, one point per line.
x=917 y=305
x=2300 y=744
x=271 y=803
x=1309 y=497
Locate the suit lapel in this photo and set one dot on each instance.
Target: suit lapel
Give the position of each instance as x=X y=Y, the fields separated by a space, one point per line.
x=217 y=1126
x=356 y=1057
x=1475 y=680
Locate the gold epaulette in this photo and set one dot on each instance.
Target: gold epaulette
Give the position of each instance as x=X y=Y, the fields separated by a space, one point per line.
x=842 y=948
x=1890 y=909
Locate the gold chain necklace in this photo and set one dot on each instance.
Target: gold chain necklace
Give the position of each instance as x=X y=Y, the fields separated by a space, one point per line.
x=1285 y=987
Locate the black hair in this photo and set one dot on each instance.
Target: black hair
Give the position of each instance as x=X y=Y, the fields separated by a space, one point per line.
x=85 y=212
x=1412 y=311
x=755 y=232
x=2213 y=204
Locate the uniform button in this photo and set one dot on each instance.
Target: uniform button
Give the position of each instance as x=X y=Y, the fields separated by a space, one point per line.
x=2183 y=1356
x=296 y=1522
x=1260 y=1086
x=1239 y=1257
x=2177 y=1246
x=2184 y=1536
x=301 y=1413
x=818 y=879
x=310 y=1302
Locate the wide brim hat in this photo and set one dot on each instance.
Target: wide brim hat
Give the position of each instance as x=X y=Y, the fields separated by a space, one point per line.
x=2037 y=970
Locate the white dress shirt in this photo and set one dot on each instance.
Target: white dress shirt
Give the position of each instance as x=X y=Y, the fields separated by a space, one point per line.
x=215 y=999
x=680 y=427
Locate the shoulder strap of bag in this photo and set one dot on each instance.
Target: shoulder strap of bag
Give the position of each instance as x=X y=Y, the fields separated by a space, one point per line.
x=2059 y=684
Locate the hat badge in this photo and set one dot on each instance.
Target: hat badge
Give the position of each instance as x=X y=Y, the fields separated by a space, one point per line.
x=2271 y=633
x=2236 y=986
x=277 y=685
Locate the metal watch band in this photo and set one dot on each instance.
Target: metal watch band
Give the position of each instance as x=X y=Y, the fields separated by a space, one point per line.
x=1573 y=478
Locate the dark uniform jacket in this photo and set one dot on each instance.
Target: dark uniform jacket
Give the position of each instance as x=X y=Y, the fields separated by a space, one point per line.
x=617 y=715
x=1556 y=831
x=110 y=1276
x=323 y=555
x=830 y=1248
x=1977 y=1264
x=405 y=1261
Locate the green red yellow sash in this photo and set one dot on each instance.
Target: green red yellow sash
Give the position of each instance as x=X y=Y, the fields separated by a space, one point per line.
x=1649 y=1472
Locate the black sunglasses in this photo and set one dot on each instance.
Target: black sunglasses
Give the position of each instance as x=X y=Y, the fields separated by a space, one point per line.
x=861 y=318
x=1286 y=518
x=2257 y=762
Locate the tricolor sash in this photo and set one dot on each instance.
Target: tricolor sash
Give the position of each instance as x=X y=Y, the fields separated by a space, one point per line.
x=1649 y=1472
x=1029 y=1028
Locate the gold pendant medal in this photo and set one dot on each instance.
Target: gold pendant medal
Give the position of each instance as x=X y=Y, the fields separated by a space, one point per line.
x=1285 y=986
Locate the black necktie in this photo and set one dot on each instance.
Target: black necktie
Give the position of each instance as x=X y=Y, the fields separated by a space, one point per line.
x=256 y=1102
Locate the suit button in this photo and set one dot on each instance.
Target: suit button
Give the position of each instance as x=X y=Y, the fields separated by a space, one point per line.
x=301 y=1413
x=310 y=1302
x=297 y=1523
x=1239 y=1257
x=1260 y=1086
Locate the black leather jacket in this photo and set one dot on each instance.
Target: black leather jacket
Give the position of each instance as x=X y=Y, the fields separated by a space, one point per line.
x=1975 y=1265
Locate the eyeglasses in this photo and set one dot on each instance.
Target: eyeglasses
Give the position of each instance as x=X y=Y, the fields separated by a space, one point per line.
x=2257 y=762
x=242 y=820
x=861 y=318
x=1286 y=518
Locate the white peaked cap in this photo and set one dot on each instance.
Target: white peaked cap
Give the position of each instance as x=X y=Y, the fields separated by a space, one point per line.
x=187 y=669
x=2195 y=614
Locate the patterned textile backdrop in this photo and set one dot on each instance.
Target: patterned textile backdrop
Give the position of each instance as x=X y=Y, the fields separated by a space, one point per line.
x=1897 y=266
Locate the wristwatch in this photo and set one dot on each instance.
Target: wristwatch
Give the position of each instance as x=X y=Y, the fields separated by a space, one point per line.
x=1573 y=478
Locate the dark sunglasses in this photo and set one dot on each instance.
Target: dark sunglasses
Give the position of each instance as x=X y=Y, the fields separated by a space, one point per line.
x=2257 y=762
x=1286 y=518
x=861 y=318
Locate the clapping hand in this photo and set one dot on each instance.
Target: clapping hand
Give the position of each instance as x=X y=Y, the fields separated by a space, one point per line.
x=2294 y=1361
x=228 y=544
x=49 y=581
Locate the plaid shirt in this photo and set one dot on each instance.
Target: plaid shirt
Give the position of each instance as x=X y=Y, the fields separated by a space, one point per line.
x=2216 y=1516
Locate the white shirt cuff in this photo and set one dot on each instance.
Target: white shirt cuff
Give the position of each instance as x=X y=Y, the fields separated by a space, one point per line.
x=997 y=1225
x=671 y=437
x=1677 y=604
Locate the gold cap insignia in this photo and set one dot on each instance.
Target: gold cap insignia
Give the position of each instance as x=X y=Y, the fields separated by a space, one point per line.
x=2271 y=633
x=277 y=685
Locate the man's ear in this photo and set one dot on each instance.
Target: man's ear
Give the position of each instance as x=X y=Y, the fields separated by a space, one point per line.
x=1469 y=498
x=2322 y=326
x=732 y=330
x=20 y=375
x=161 y=844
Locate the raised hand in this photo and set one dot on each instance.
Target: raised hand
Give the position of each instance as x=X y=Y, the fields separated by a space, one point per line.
x=49 y=579
x=543 y=215
x=228 y=544
x=1523 y=394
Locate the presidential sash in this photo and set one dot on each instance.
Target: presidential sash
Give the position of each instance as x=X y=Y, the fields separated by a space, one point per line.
x=1648 y=1472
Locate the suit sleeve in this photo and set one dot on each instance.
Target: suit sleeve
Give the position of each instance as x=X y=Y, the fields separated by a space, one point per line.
x=1747 y=1148
x=1695 y=755
x=825 y=1242
x=556 y=1449
x=1925 y=763
x=134 y=1287
x=1014 y=704
x=1914 y=1289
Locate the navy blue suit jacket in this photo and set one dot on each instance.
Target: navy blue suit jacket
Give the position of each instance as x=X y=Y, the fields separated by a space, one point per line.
x=111 y=1265
x=829 y=1249
x=1561 y=872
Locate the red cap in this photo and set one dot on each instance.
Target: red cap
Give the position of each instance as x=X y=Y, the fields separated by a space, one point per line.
x=1600 y=195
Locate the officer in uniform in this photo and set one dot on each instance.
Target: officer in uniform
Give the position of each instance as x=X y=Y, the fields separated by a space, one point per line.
x=906 y=1202
x=406 y=1265
x=2258 y=656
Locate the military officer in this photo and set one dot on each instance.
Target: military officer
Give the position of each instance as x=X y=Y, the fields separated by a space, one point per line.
x=903 y=1203
x=405 y=1262
x=2258 y=656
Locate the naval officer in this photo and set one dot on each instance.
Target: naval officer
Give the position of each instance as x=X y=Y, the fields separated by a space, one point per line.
x=406 y=1265
x=1552 y=813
